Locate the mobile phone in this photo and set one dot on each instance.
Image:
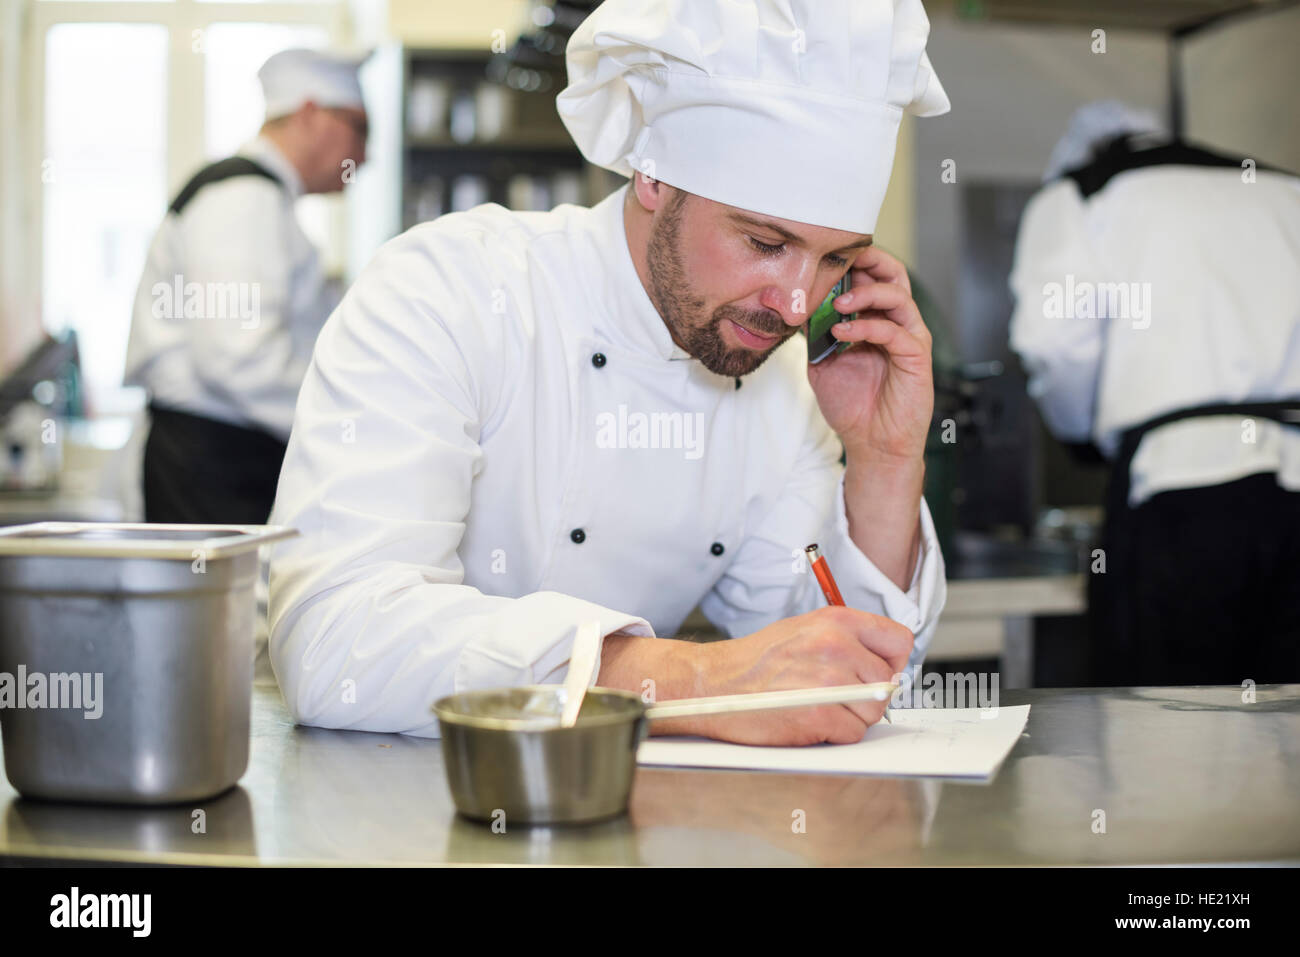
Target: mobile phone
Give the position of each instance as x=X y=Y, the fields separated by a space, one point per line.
x=821 y=343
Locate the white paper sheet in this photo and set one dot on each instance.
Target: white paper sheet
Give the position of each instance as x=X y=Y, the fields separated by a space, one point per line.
x=930 y=742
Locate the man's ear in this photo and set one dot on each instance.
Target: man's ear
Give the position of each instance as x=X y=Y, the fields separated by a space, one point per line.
x=650 y=193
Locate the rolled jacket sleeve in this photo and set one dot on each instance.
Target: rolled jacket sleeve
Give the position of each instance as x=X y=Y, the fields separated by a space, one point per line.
x=771 y=580
x=865 y=586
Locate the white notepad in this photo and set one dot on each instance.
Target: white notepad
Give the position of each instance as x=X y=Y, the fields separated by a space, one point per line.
x=929 y=742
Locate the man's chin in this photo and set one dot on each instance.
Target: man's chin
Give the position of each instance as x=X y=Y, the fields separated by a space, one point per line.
x=717 y=354
x=735 y=363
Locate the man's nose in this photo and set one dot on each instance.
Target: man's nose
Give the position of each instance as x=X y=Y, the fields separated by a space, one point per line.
x=792 y=299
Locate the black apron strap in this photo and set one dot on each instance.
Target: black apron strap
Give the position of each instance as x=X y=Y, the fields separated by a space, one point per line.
x=215 y=173
x=1286 y=411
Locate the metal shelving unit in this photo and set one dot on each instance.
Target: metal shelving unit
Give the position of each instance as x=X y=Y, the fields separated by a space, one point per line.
x=468 y=139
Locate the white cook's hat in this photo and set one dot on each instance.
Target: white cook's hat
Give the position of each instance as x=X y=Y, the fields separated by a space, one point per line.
x=292 y=77
x=789 y=108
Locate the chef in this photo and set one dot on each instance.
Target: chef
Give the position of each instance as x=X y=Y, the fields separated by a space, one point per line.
x=233 y=297
x=518 y=422
x=1157 y=313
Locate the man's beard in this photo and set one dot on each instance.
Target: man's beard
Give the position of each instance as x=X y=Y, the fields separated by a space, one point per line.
x=682 y=311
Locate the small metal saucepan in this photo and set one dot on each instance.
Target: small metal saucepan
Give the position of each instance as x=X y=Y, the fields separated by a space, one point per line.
x=507 y=754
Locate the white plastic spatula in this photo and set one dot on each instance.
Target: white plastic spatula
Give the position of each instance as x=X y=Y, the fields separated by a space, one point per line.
x=582 y=661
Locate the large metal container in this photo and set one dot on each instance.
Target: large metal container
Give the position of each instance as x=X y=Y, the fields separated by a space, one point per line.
x=156 y=624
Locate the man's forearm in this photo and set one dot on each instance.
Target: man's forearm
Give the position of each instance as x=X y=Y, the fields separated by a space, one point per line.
x=883 y=502
x=628 y=661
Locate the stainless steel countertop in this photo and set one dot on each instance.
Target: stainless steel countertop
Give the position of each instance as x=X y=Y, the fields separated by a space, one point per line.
x=1183 y=775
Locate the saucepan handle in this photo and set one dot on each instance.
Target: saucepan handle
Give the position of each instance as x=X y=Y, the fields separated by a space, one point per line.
x=771 y=700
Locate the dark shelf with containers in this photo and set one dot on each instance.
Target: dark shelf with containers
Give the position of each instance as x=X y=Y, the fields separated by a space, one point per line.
x=480 y=127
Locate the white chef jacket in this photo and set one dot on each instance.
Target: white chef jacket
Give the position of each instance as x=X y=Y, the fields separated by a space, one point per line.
x=1221 y=260
x=466 y=493
x=238 y=230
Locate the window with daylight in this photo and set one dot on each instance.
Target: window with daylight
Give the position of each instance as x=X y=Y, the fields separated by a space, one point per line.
x=104 y=177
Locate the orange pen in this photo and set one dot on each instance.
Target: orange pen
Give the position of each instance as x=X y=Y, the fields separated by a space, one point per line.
x=832 y=592
x=823 y=573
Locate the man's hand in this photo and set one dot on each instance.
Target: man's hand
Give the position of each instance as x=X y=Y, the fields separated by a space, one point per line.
x=830 y=646
x=878 y=396
x=879 y=399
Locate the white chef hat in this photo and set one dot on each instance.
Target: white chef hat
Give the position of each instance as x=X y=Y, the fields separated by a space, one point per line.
x=292 y=77
x=789 y=108
x=1093 y=124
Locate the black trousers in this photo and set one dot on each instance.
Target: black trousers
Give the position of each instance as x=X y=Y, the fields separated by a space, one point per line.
x=1211 y=580
x=201 y=471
